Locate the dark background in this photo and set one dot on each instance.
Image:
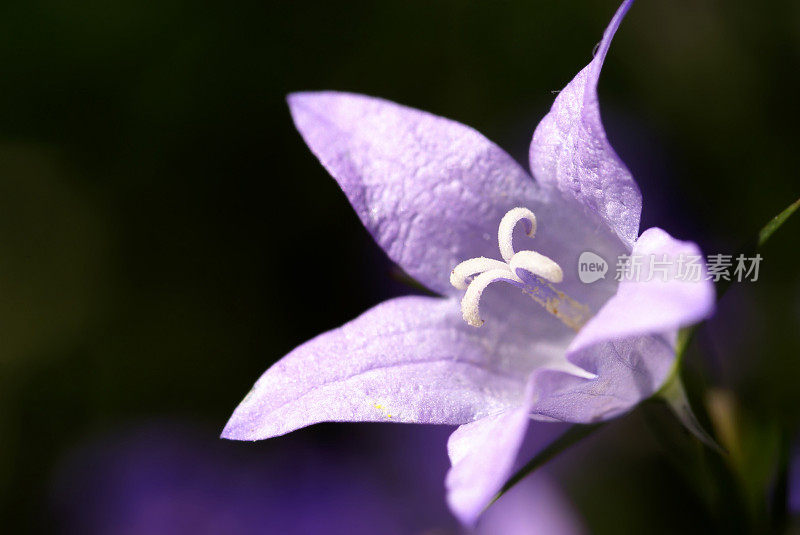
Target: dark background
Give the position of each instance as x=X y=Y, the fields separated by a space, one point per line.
x=165 y=234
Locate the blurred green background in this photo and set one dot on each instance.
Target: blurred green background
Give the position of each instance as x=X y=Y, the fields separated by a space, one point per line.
x=153 y=262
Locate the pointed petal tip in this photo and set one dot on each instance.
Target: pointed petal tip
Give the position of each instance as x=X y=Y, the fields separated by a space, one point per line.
x=573 y=132
x=238 y=430
x=296 y=96
x=482 y=455
x=241 y=427
x=466 y=516
x=301 y=98
x=232 y=430
x=605 y=43
x=315 y=98
x=310 y=100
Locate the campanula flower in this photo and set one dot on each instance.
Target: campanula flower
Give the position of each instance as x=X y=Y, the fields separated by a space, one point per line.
x=167 y=478
x=458 y=214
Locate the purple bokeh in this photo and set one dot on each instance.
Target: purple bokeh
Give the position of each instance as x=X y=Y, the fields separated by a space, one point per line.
x=173 y=478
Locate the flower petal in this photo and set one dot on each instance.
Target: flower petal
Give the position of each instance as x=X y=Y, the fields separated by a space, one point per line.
x=410 y=359
x=629 y=344
x=571 y=151
x=535 y=505
x=482 y=454
x=660 y=305
x=628 y=371
x=430 y=190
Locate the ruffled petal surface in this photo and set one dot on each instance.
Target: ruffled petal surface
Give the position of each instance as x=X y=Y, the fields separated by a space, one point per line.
x=628 y=371
x=411 y=359
x=432 y=191
x=571 y=151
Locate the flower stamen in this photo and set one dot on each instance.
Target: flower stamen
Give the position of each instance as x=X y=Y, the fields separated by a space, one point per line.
x=472 y=297
x=505 y=232
x=460 y=275
x=537 y=264
x=533 y=272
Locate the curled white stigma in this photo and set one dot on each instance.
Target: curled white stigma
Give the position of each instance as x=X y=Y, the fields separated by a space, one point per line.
x=472 y=297
x=538 y=264
x=484 y=271
x=460 y=275
x=506 y=230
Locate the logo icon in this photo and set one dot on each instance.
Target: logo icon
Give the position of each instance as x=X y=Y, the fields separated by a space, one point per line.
x=591 y=267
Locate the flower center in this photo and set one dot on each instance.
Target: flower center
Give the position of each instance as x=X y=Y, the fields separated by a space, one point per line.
x=530 y=271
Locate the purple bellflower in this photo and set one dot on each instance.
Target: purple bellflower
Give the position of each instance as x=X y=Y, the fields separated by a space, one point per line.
x=441 y=199
x=168 y=479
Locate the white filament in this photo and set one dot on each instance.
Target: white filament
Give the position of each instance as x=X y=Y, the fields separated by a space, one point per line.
x=472 y=297
x=466 y=269
x=538 y=264
x=505 y=232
